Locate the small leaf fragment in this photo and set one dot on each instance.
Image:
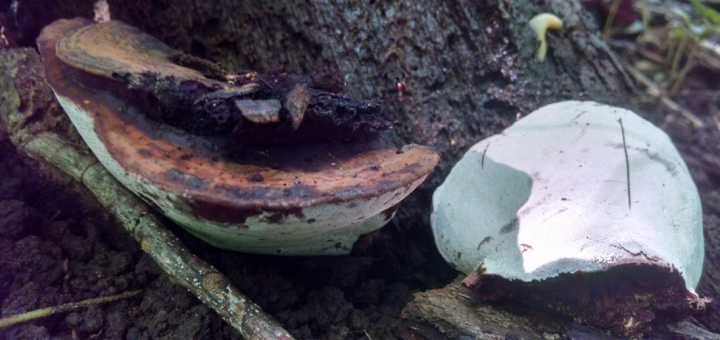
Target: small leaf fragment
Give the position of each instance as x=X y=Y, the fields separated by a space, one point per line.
x=260 y=111
x=297 y=102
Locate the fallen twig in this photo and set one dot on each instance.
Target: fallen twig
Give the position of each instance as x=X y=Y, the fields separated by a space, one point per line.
x=654 y=91
x=698 y=93
x=716 y=120
x=41 y=313
x=627 y=163
x=607 y=30
x=39 y=141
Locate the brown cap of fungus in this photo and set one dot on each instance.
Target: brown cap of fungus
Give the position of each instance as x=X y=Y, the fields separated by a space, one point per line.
x=313 y=198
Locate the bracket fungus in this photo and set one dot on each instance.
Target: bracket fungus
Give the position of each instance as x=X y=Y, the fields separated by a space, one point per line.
x=272 y=164
x=585 y=207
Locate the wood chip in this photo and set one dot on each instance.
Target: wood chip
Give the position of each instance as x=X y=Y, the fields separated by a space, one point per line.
x=296 y=103
x=260 y=111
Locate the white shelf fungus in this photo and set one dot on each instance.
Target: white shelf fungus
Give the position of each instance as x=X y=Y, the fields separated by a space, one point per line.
x=572 y=187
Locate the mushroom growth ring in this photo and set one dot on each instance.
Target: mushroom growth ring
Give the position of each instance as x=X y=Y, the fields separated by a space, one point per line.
x=278 y=164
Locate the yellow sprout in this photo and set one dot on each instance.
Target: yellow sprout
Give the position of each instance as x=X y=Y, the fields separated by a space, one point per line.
x=540 y=24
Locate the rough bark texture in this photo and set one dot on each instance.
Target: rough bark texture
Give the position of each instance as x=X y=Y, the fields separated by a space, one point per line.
x=454 y=313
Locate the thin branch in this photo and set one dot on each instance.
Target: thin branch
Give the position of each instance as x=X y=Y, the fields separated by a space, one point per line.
x=712 y=94
x=41 y=313
x=716 y=120
x=680 y=79
x=611 y=18
x=650 y=55
x=627 y=163
x=482 y=161
x=654 y=91
x=679 y=53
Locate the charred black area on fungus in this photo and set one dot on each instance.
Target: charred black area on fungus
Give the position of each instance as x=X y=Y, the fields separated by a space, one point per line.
x=628 y=299
x=172 y=101
x=210 y=110
x=206 y=67
x=328 y=118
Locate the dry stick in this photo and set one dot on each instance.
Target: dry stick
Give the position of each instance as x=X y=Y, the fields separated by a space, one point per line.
x=482 y=162
x=711 y=94
x=627 y=162
x=654 y=91
x=611 y=18
x=678 y=54
x=206 y=282
x=650 y=55
x=41 y=313
x=685 y=70
x=645 y=14
x=716 y=120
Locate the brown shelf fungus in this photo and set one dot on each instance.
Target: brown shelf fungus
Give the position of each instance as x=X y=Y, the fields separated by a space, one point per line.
x=585 y=207
x=275 y=164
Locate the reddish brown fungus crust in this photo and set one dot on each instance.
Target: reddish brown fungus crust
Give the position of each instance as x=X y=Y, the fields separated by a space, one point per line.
x=219 y=181
x=626 y=299
x=172 y=88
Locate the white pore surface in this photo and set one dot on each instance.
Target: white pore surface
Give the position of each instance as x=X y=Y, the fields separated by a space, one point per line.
x=329 y=229
x=550 y=196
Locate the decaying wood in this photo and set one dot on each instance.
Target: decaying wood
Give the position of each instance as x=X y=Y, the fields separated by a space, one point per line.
x=453 y=312
x=41 y=131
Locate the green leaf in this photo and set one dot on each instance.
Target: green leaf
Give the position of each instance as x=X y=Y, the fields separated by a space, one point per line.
x=705 y=11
